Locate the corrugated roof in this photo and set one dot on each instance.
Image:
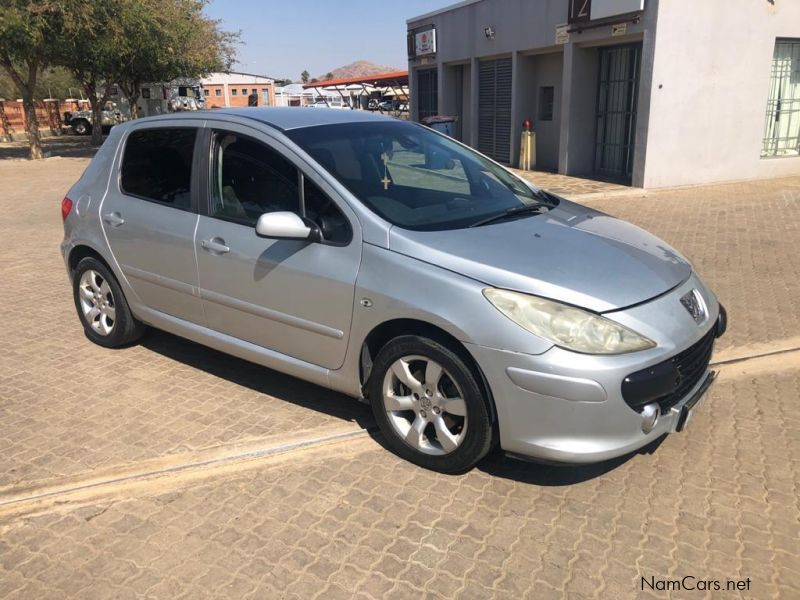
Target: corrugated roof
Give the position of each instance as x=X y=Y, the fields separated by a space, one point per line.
x=392 y=77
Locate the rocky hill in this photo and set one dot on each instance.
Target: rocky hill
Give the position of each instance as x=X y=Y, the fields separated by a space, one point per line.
x=360 y=68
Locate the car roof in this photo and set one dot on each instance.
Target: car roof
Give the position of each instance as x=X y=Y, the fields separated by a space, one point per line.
x=286 y=117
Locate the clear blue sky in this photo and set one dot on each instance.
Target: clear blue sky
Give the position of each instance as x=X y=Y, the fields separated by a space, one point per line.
x=281 y=38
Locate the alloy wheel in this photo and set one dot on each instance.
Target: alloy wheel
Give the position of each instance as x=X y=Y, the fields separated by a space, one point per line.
x=97 y=302
x=424 y=405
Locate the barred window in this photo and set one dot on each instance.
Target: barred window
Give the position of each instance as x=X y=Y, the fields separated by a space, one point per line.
x=782 y=129
x=427 y=93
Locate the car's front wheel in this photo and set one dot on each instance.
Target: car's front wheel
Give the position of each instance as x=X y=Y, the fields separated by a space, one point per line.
x=102 y=308
x=429 y=405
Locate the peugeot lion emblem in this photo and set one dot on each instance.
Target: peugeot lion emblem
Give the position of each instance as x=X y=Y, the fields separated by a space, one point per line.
x=694 y=306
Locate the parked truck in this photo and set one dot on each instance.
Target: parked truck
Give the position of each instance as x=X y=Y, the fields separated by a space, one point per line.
x=81 y=121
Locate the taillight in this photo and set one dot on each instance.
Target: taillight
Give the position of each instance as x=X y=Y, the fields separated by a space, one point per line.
x=66 y=206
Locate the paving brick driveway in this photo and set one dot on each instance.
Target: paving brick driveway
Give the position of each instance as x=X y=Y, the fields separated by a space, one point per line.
x=718 y=502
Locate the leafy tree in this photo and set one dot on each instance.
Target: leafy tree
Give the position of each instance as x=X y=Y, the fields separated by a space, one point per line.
x=283 y=82
x=329 y=75
x=56 y=82
x=164 y=41
x=130 y=42
x=27 y=32
x=51 y=82
x=305 y=76
x=88 y=48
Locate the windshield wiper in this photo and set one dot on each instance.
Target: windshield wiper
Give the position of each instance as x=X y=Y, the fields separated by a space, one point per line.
x=536 y=208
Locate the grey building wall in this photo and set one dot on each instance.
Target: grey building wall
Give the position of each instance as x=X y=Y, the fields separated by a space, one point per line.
x=702 y=91
x=525 y=30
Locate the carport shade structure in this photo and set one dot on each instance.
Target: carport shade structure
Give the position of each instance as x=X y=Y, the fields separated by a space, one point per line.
x=397 y=81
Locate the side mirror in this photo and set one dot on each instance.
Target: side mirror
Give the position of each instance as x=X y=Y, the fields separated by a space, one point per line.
x=285 y=225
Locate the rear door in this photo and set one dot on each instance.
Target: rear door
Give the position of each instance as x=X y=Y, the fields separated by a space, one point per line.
x=291 y=296
x=149 y=216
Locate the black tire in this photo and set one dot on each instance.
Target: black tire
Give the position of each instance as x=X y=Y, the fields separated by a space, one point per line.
x=82 y=127
x=477 y=439
x=124 y=328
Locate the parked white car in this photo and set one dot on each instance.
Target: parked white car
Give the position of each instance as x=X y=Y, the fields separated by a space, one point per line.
x=321 y=104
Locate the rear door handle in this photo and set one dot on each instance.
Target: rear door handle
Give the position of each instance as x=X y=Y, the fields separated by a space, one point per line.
x=215 y=245
x=114 y=219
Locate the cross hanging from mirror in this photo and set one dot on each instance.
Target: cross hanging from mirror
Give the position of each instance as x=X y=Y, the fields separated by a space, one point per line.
x=386 y=181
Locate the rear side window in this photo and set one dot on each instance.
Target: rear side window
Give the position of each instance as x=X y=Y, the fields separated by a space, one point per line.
x=157 y=166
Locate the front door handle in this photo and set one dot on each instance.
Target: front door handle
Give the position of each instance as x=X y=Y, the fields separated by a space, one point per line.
x=114 y=219
x=215 y=245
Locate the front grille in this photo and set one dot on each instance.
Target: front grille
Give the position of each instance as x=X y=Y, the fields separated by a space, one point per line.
x=691 y=364
x=687 y=368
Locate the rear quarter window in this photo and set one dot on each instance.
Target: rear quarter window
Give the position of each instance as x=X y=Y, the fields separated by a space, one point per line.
x=157 y=165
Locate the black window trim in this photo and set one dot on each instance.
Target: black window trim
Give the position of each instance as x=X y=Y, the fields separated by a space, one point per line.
x=206 y=165
x=194 y=180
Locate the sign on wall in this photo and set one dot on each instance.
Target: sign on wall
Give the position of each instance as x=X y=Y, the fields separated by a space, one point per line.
x=582 y=11
x=562 y=34
x=425 y=42
x=611 y=8
x=579 y=11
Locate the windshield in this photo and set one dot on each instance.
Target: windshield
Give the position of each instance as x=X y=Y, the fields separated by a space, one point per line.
x=413 y=177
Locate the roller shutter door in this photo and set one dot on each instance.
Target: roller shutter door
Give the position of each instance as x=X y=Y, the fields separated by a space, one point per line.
x=494 y=109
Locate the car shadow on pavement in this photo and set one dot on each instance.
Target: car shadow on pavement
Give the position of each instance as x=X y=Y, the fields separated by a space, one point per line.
x=308 y=395
x=66 y=146
x=498 y=464
x=258 y=378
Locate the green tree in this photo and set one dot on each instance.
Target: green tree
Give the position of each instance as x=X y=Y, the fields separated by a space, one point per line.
x=52 y=82
x=88 y=47
x=329 y=75
x=131 y=42
x=27 y=33
x=167 y=40
x=305 y=76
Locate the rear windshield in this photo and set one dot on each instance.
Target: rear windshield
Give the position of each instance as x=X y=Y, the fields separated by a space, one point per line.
x=412 y=177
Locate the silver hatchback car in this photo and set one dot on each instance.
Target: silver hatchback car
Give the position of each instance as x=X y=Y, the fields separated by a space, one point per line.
x=386 y=261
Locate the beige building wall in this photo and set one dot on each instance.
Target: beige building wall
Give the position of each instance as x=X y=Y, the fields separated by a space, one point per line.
x=710 y=84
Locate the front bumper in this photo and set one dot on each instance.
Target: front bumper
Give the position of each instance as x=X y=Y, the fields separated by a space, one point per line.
x=565 y=407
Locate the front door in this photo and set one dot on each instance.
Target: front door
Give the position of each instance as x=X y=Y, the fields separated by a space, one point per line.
x=291 y=296
x=617 y=96
x=149 y=218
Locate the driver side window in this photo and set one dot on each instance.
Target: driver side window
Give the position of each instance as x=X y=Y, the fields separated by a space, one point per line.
x=250 y=179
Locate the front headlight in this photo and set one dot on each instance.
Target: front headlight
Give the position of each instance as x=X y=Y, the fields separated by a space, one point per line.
x=567 y=326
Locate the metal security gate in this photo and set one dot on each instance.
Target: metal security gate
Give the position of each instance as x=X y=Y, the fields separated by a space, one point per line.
x=782 y=127
x=494 y=109
x=427 y=93
x=617 y=96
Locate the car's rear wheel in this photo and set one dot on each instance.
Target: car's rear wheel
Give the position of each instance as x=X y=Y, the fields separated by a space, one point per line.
x=429 y=405
x=82 y=127
x=106 y=317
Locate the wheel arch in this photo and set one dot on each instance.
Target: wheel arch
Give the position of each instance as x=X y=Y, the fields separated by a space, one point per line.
x=81 y=251
x=381 y=334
